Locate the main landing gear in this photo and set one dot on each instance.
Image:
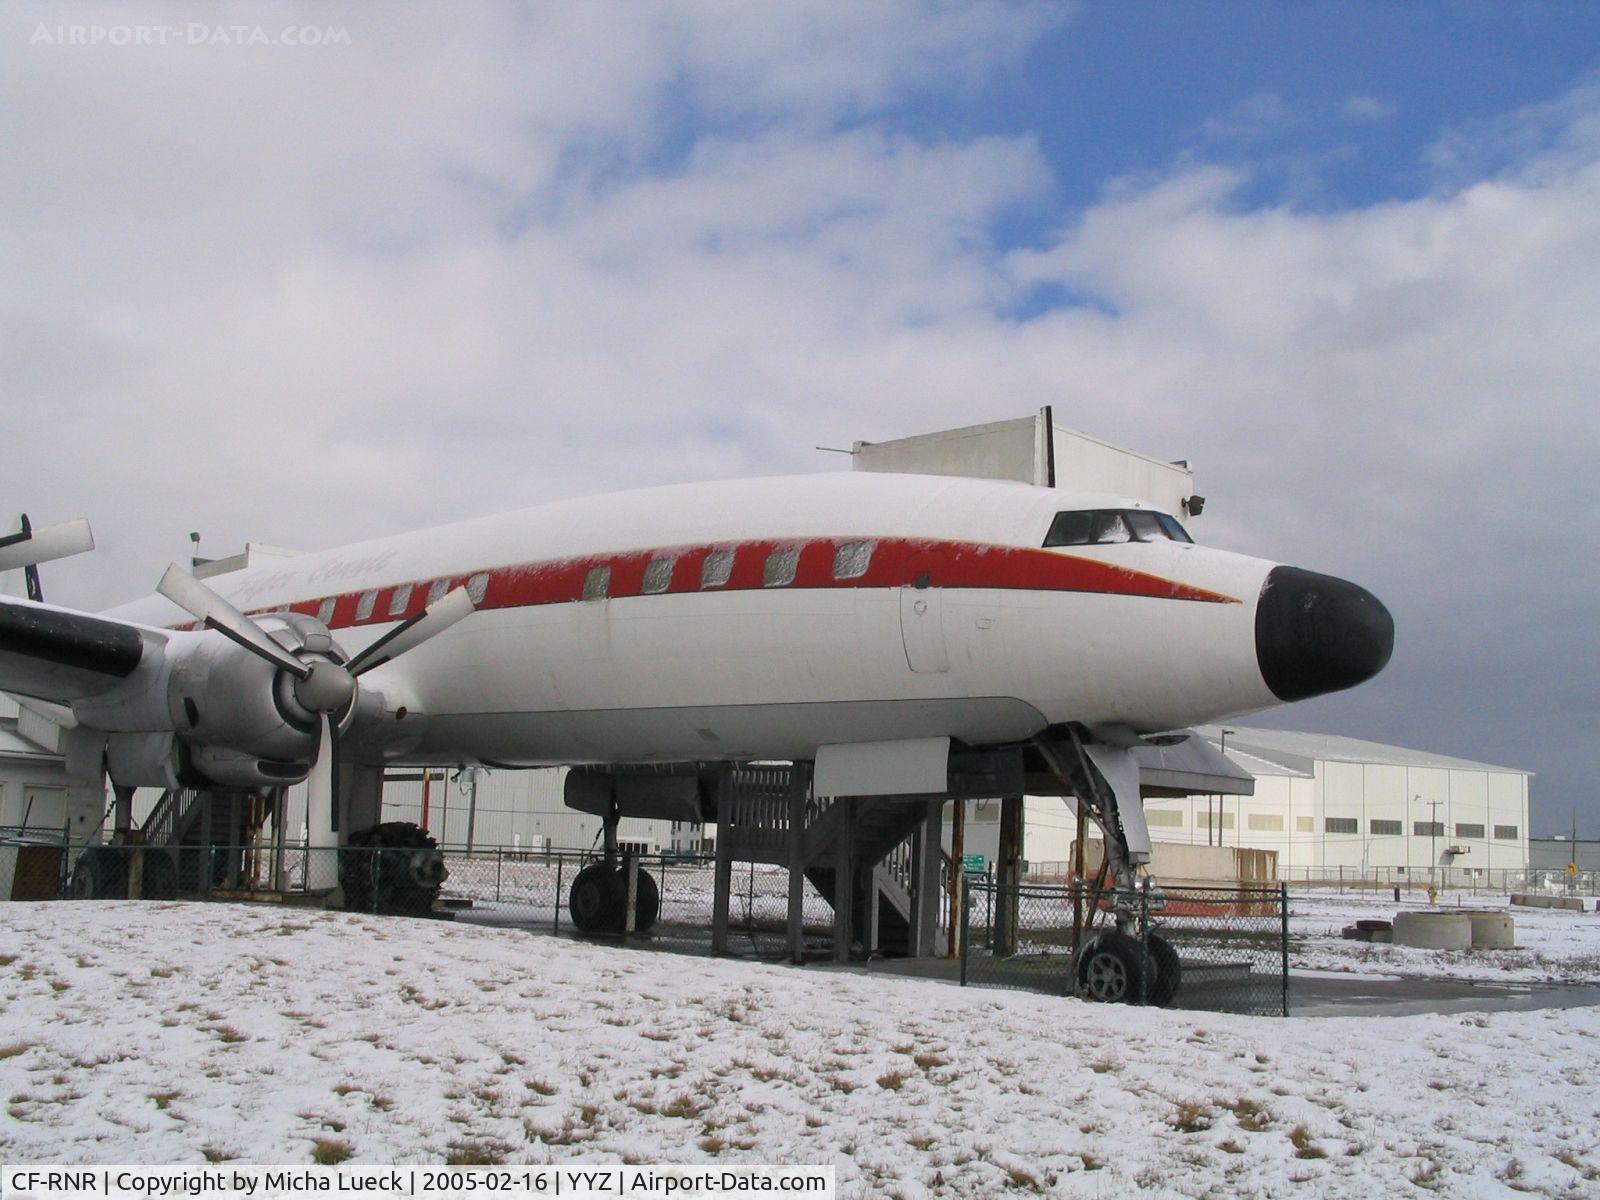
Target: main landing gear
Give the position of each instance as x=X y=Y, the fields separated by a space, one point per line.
x=1115 y=968
x=1126 y=964
x=598 y=900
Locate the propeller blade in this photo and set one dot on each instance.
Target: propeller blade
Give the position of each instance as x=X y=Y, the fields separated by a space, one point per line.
x=408 y=635
x=200 y=602
x=46 y=544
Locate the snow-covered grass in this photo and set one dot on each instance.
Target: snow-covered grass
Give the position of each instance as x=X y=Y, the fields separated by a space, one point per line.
x=185 y=1032
x=1553 y=945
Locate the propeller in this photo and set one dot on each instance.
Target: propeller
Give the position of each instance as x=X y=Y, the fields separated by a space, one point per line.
x=321 y=685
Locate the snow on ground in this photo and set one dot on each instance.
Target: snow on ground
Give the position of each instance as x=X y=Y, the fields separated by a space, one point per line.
x=1553 y=945
x=184 y=1032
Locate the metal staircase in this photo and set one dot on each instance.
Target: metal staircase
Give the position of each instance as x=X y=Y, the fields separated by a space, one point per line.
x=756 y=818
x=200 y=828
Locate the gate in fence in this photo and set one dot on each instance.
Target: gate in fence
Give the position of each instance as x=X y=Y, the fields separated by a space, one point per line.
x=1217 y=949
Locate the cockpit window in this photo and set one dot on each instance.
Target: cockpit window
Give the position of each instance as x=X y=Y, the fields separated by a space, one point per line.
x=1111 y=527
x=1105 y=526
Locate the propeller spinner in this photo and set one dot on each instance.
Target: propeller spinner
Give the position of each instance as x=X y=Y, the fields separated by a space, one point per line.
x=322 y=686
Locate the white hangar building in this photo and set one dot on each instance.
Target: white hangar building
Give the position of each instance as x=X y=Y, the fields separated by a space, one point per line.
x=1325 y=802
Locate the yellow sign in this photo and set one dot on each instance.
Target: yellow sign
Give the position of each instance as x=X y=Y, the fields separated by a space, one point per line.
x=1572 y=868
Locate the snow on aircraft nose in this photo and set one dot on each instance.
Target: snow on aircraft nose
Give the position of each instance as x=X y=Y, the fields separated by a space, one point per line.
x=1318 y=634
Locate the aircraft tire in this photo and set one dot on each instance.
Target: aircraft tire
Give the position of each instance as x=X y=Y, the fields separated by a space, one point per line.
x=597 y=899
x=1168 y=971
x=160 y=876
x=101 y=874
x=647 y=904
x=1114 y=970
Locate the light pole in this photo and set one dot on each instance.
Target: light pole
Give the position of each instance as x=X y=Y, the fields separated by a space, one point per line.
x=1433 y=835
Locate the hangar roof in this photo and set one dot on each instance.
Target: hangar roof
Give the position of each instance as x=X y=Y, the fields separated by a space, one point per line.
x=1299 y=751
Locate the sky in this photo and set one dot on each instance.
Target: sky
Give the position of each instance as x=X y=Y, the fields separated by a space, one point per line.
x=304 y=275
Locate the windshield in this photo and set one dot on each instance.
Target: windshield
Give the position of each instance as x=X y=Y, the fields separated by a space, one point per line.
x=1105 y=526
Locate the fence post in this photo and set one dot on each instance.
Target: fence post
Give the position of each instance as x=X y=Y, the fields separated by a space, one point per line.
x=1283 y=909
x=377 y=874
x=560 y=860
x=499 y=853
x=988 y=917
x=966 y=922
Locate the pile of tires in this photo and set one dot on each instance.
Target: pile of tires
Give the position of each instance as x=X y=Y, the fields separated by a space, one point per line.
x=393 y=868
x=1118 y=969
x=598 y=900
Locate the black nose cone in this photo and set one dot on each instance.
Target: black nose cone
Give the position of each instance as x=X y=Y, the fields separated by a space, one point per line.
x=1317 y=634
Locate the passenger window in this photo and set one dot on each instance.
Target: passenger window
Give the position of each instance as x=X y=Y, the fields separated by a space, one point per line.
x=597 y=583
x=717 y=569
x=325 y=609
x=365 y=605
x=1111 y=527
x=658 y=575
x=1144 y=525
x=1174 y=530
x=401 y=600
x=478 y=587
x=851 y=559
x=1070 y=529
x=437 y=590
x=780 y=567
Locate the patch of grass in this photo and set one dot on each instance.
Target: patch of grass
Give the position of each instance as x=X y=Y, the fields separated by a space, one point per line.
x=476 y=1154
x=1230 y=1147
x=540 y=1087
x=1090 y=1161
x=712 y=1144
x=1192 y=1118
x=163 y=972
x=927 y=1060
x=284 y=930
x=329 y=1152
x=14 y=1049
x=1300 y=1138
x=892 y=1081
x=59 y=985
x=7 y=959
x=214 y=1155
x=1105 y=1065
x=227 y=1034
x=382 y=1103
x=684 y=1106
x=164 y=1099
x=1251 y=1116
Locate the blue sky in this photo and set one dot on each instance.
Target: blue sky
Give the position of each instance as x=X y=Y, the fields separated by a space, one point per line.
x=1332 y=104
x=1341 y=256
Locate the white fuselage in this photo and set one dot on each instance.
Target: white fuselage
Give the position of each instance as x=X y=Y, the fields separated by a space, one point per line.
x=961 y=623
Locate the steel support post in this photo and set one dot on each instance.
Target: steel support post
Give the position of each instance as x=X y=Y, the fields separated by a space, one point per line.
x=844 y=878
x=724 y=871
x=958 y=845
x=926 y=851
x=799 y=786
x=1008 y=875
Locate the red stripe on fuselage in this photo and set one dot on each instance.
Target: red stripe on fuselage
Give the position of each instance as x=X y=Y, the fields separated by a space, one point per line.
x=895 y=562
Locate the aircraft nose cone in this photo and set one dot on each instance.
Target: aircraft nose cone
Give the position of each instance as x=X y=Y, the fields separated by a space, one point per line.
x=1317 y=634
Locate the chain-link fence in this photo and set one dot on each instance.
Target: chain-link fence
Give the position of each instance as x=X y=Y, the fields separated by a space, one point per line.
x=1220 y=949
x=666 y=900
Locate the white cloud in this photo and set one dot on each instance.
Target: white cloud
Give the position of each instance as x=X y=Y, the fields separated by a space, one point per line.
x=1367 y=109
x=474 y=261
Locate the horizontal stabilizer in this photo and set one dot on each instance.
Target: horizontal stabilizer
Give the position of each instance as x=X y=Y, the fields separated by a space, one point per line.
x=34 y=546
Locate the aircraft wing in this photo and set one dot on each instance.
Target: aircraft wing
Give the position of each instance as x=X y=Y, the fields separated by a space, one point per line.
x=60 y=655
